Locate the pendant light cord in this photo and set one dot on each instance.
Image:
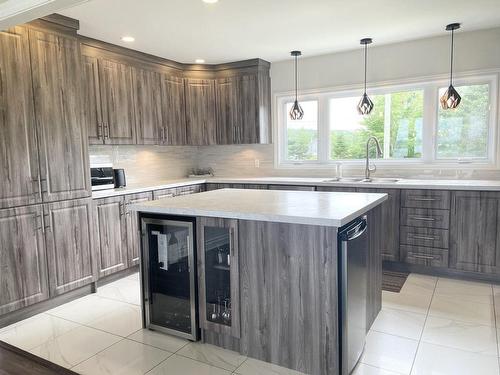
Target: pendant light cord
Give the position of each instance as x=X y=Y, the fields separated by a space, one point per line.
x=451 y=63
x=366 y=48
x=296 y=79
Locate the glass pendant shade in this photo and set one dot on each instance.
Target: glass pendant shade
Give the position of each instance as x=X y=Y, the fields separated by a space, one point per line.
x=365 y=105
x=451 y=98
x=296 y=113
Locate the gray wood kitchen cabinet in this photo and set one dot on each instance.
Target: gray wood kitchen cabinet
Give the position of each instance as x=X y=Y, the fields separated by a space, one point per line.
x=200 y=112
x=173 y=106
x=148 y=107
x=117 y=102
x=110 y=216
x=241 y=110
x=474 y=231
x=292 y=187
x=62 y=137
x=219 y=280
x=69 y=232
x=390 y=219
x=133 y=237
x=23 y=258
x=93 y=112
x=19 y=162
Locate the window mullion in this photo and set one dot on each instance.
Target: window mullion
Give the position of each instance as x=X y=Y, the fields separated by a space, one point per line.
x=429 y=124
x=387 y=126
x=323 y=130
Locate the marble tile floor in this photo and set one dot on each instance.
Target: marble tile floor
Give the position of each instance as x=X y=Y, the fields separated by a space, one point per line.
x=435 y=326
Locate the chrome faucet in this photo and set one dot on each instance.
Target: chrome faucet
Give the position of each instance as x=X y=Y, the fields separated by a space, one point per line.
x=369 y=170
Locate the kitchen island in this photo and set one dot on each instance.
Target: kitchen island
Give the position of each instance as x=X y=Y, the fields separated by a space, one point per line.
x=264 y=273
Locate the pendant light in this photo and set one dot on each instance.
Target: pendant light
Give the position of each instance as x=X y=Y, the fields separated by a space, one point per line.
x=451 y=99
x=365 y=105
x=296 y=113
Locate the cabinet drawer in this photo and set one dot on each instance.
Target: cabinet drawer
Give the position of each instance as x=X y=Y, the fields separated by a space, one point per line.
x=426 y=237
x=187 y=190
x=426 y=199
x=422 y=217
x=164 y=193
x=292 y=187
x=424 y=256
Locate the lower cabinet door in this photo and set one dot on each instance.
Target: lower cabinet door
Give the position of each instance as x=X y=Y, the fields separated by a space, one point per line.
x=112 y=239
x=70 y=242
x=133 y=237
x=218 y=269
x=23 y=258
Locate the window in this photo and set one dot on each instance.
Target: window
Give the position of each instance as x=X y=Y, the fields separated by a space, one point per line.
x=407 y=120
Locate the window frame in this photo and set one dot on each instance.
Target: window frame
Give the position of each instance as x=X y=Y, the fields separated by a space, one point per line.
x=430 y=87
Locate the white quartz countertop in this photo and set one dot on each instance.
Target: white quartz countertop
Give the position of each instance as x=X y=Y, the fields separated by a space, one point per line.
x=477 y=185
x=332 y=209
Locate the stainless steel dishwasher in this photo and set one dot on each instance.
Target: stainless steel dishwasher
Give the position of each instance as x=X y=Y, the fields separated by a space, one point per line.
x=353 y=258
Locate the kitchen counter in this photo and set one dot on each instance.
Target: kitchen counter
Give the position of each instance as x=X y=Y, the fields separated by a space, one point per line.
x=314 y=208
x=381 y=183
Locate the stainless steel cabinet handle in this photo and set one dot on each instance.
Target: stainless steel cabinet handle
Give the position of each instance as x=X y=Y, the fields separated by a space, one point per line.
x=419 y=237
x=426 y=257
x=422 y=199
x=46 y=223
x=163 y=135
x=99 y=131
x=423 y=218
x=231 y=241
x=106 y=130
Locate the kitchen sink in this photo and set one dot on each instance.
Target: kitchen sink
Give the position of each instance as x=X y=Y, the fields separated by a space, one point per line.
x=361 y=179
x=344 y=179
x=382 y=180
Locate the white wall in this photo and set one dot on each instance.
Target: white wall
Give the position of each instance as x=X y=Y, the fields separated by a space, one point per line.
x=478 y=50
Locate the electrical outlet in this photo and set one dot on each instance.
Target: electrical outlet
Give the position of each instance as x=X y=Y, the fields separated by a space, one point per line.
x=257 y=163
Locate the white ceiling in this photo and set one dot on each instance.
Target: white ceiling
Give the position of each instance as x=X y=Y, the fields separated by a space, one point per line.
x=230 y=30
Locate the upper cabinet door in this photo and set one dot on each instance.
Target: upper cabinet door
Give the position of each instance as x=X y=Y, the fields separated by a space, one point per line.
x=173 y=105
x=62 y=136
x=19 y=182
x=116 y=89
x=228 y=117
x=148 y=111
x=71 y=250
x=93 y=115
x=200 y=112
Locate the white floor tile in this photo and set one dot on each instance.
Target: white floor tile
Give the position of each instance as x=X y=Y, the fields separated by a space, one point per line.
x=419 y=284
x=86 y=309
x=125 y=358
x=158 y=340
x=439 y=360
x=462 y=310
x=465 y=336
x=124 y=290
x=389 y=352
x=212 y=355
x=122 y=321
x=400 y=323
x=416 y=303
x=362 y=369
x=35 y=331
x=465 y=290
x=252 y=367
x=176 y=365
x=75 y=346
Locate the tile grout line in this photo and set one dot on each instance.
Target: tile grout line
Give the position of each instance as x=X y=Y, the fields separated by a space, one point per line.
x=96 y=354
x=423 y=328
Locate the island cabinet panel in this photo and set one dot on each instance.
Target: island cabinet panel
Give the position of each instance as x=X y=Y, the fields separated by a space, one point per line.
x=133 y=235
x=218 y=270
x=173 y=106
x=389 y=243
x=70 y=242
x=292 y=187
x=117 y=102
x=212 y=186
x=23 y=258
x=148 y=107
x=474 y=232
x=288 y=295
x=19 y=184
x=93 y=113
x=62 y=136
x=200 y=112
x=112 y=241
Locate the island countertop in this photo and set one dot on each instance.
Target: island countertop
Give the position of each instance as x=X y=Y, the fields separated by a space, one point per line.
x=333 y=209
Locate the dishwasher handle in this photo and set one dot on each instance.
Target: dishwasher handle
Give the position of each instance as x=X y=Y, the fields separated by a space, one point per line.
x=355 y=230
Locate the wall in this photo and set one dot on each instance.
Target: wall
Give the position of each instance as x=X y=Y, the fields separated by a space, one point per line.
x=476 y=50
x=147 y=164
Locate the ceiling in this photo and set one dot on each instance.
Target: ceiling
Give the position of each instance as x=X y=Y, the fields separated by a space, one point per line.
x=230 y=30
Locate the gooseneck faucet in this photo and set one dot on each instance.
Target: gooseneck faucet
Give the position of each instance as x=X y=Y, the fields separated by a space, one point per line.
x=369 y=170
